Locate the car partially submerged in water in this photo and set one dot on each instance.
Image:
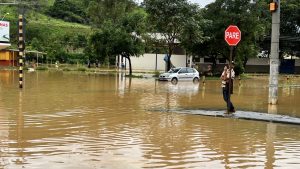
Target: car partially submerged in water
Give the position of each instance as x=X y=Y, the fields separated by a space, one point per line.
x=180 y=74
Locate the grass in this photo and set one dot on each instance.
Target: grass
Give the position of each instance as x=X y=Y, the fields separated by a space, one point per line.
x=42 y=68
x=156 y=74
x=66 y=69
x=40 y=19
x=81 y=69
x=134 y=76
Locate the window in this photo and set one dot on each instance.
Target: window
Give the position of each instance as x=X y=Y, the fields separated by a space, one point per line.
x=183 y=70
x=208 y=60
x=197 y=59
x=174 y=70
x=222 y=60
x=190 y=70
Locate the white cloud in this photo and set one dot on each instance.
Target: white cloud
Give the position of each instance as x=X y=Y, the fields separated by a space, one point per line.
x=202 y=3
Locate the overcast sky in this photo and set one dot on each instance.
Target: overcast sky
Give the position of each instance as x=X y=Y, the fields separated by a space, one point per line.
x=202 y=3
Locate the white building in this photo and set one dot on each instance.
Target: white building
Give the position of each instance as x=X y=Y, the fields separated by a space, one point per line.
x=155 y=61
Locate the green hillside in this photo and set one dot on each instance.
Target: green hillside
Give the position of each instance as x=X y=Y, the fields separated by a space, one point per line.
x=56 y=37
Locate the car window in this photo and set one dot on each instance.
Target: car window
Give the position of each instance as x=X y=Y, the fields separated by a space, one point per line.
x=174 y=70
x=190 y=70
x=183 y=70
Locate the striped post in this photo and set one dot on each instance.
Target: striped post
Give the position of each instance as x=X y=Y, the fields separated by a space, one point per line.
x=21 y=51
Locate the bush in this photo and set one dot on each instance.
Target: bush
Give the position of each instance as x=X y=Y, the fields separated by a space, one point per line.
x=66 y=69
x=82 y=69
x=239 y=69
x=41 y=68
x=156 y=74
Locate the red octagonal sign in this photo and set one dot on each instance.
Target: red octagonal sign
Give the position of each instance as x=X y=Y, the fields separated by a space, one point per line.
x=232 y=35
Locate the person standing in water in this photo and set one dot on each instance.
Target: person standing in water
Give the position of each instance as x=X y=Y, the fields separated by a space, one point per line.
x=227 y=84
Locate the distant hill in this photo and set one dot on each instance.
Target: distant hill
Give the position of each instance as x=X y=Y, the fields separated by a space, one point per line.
x=50 y=28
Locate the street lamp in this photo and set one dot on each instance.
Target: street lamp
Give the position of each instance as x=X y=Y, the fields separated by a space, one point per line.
x=4 y=16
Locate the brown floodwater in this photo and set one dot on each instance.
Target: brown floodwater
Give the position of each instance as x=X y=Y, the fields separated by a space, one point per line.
x=71 y=120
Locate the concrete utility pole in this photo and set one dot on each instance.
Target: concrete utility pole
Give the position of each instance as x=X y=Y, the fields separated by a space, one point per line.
x=274 y=58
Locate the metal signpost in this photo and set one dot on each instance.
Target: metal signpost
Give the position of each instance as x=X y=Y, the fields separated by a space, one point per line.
x=232 y=36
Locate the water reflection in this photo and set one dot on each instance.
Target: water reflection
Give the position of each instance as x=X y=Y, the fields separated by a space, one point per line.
x=20 y=141
x=203 y=91
x=75 y=120
x=183 y=88
x=270 y=145
x=272 y=109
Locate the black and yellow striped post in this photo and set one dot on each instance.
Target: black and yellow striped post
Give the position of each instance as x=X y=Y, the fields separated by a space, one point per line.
x=21 y=50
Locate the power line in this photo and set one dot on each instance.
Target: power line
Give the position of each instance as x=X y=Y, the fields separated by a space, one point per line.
x=9 y=3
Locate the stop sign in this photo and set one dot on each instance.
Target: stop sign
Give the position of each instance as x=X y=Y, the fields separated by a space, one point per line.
x=232 y=35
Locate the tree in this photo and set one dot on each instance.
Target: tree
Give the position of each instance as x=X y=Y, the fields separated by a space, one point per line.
x=169 y=17
x=131 y=42
x=124 y=38
x=102 y=42
x=252 y=20
x=290 y=17
x=67 y=11
x=289 y=28
x=192 y=34
x=36 y=5
x=113 y=10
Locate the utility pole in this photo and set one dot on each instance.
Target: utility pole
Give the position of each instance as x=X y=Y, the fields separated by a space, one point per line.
x=274 y=58
x=13 y=2
x=21 y=50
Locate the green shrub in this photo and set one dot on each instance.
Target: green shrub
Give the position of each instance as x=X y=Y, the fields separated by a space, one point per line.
x=82 y=69
x=66 y=69
x=41 y=68
x=156 y=74
x=239 y=69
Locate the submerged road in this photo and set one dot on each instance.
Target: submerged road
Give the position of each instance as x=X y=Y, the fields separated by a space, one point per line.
x=244 y=115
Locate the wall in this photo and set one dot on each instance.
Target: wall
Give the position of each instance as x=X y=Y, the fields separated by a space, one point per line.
x=297 y=66
x=147 y=62
x=258 y=65
x=8 y=58
x=254 y=65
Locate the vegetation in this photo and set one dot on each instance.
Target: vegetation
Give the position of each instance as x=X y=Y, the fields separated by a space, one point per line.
x=93 y=31
x=119 y=33
x=68 y=11
x=175 y=20
x=247 y=16
x=41 y=68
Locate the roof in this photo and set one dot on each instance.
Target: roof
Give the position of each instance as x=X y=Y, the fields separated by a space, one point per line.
x=4 y=45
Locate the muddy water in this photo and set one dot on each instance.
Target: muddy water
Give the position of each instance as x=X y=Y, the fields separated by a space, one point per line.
x=77 y=121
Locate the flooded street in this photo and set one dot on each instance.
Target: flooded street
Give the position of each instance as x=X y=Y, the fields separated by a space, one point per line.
x=65 y=120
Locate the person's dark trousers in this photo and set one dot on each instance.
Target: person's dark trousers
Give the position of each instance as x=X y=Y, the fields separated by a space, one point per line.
x=230 y=106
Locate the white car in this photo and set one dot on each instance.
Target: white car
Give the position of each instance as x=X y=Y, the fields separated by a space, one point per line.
x=180 y=74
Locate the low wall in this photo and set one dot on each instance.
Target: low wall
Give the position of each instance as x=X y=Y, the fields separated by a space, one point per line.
x=8 y=63
x=254 y=65
x=257 y=69
x=148 y=62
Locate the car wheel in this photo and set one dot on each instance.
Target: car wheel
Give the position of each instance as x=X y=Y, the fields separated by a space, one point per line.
x=174 y=80
x=196 y=80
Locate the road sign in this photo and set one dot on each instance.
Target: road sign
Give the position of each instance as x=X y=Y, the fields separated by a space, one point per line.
x=232 y=35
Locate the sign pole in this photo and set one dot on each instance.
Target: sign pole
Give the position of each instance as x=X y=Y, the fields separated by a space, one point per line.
x=230 y=85
x=232 y=36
